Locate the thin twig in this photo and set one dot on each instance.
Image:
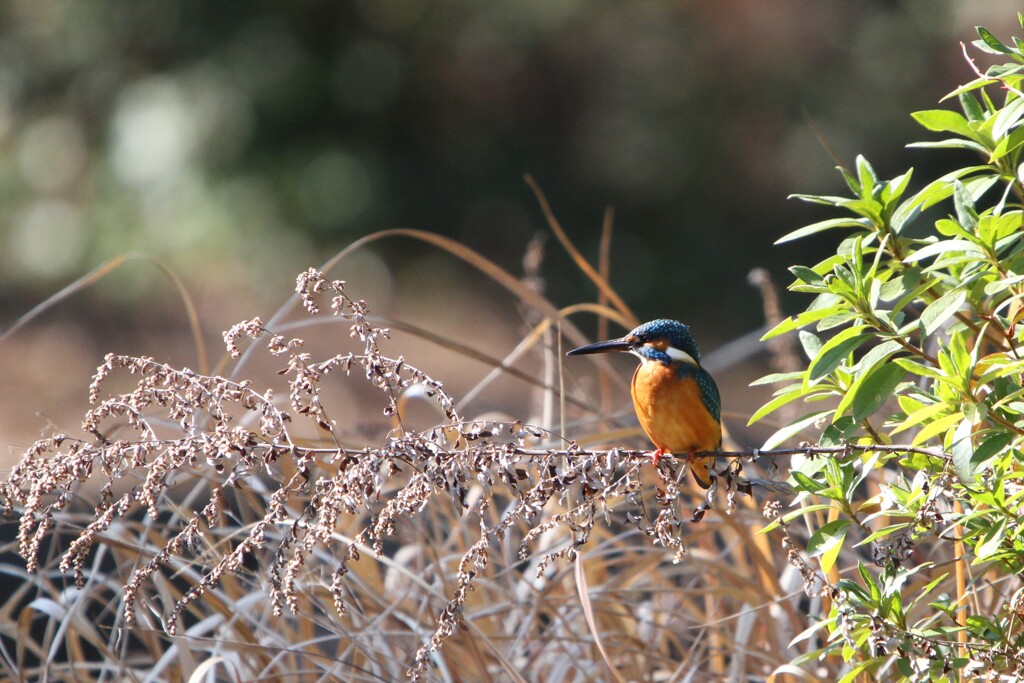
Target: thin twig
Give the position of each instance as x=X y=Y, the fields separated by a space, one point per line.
x=631 y=454
x=993 y=79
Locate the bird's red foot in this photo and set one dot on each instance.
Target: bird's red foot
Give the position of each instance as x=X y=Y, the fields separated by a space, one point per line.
x=656 y=456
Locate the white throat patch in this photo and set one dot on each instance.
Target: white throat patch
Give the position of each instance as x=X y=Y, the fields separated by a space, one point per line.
x=672 y=352
x=679 y=355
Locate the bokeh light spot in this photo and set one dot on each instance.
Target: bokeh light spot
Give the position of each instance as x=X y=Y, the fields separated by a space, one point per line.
x=48 y=239
x=51 y=153
x=153 y=132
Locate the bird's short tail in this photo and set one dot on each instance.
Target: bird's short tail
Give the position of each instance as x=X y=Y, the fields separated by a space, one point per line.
x=700 y=468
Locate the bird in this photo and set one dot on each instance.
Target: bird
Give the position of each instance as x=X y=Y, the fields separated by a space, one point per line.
x=676 y=400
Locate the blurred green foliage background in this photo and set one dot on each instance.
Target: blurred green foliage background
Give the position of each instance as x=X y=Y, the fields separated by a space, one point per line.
x=241 y=142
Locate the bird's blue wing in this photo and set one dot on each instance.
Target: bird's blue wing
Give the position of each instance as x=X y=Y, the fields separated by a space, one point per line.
x=708 y=389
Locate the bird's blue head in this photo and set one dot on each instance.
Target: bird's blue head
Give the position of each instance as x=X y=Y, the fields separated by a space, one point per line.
x=662 y=340
x=665 y=341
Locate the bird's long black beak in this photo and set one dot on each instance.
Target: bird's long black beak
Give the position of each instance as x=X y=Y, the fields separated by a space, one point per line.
x=602 y=347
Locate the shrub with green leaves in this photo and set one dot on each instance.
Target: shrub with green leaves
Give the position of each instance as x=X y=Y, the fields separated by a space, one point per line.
x=916 y=375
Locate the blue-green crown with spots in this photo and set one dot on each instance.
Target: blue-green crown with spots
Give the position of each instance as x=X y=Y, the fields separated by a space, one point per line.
x=676 y=333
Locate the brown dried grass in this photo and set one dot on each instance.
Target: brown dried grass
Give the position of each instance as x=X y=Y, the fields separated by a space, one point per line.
x=527 y=556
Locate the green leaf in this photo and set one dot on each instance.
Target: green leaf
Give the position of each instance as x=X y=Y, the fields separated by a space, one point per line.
x=822 y=226
x=920 y=415
x=883 y=532
x=964 y=203
x=826 y=200
x=777 y=377
x=958 y=354
x=935 y=192
x=918 y=368
x=784 y=434
x=983 y=627
x=991 y=446
x=836 y=320
x=909 y=404
x=851 y=182
x=1001 y=204
x=944 y=121
x=962 y=451
x=869 y=582
x=856 y=671
x=791 y=324
x=907 y=281
x=1007 y=118
x=778 y=402
x=1008 y=145
x=812 y=314
x=923 y=593
x=876 y=355
x=992 y=229
x=895 y=188
x=808 y=632
x=869 y=208
x=892 y=606
x=827 y=541
x=806 y=483
x=991 y=542
x=975 y=412
x=992 y=42
x=845 y=282
x=807 y=275
x=950 y=228
x=837 y=433
x=997 y=367
x=972 y=108
x=835 y=351
x=953 y=143
x=942 y=309
x=1001 y=285
x=875 y=389
x=867 y=177
x=981 y=184
x=939 y=426
x=790 y=516
x=811 y=343
x=945 y=246
x=1002 y=71
x=970 y=86
x=787 y=325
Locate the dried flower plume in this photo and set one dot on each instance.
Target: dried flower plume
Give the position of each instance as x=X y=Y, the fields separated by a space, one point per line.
x=235 y=435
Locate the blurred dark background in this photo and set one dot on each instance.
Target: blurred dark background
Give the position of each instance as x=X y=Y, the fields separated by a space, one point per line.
x=241 y=142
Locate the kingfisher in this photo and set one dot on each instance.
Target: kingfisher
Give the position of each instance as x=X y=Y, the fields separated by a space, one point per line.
x=676 y=400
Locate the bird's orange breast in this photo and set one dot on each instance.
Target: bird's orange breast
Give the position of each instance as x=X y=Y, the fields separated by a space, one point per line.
x=671 y=412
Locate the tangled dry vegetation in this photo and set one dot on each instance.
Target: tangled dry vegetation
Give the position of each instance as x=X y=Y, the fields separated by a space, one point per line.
x=519 y=546
x=516 y=549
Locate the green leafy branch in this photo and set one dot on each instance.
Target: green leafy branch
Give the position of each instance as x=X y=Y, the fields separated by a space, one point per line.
x=914 y=334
